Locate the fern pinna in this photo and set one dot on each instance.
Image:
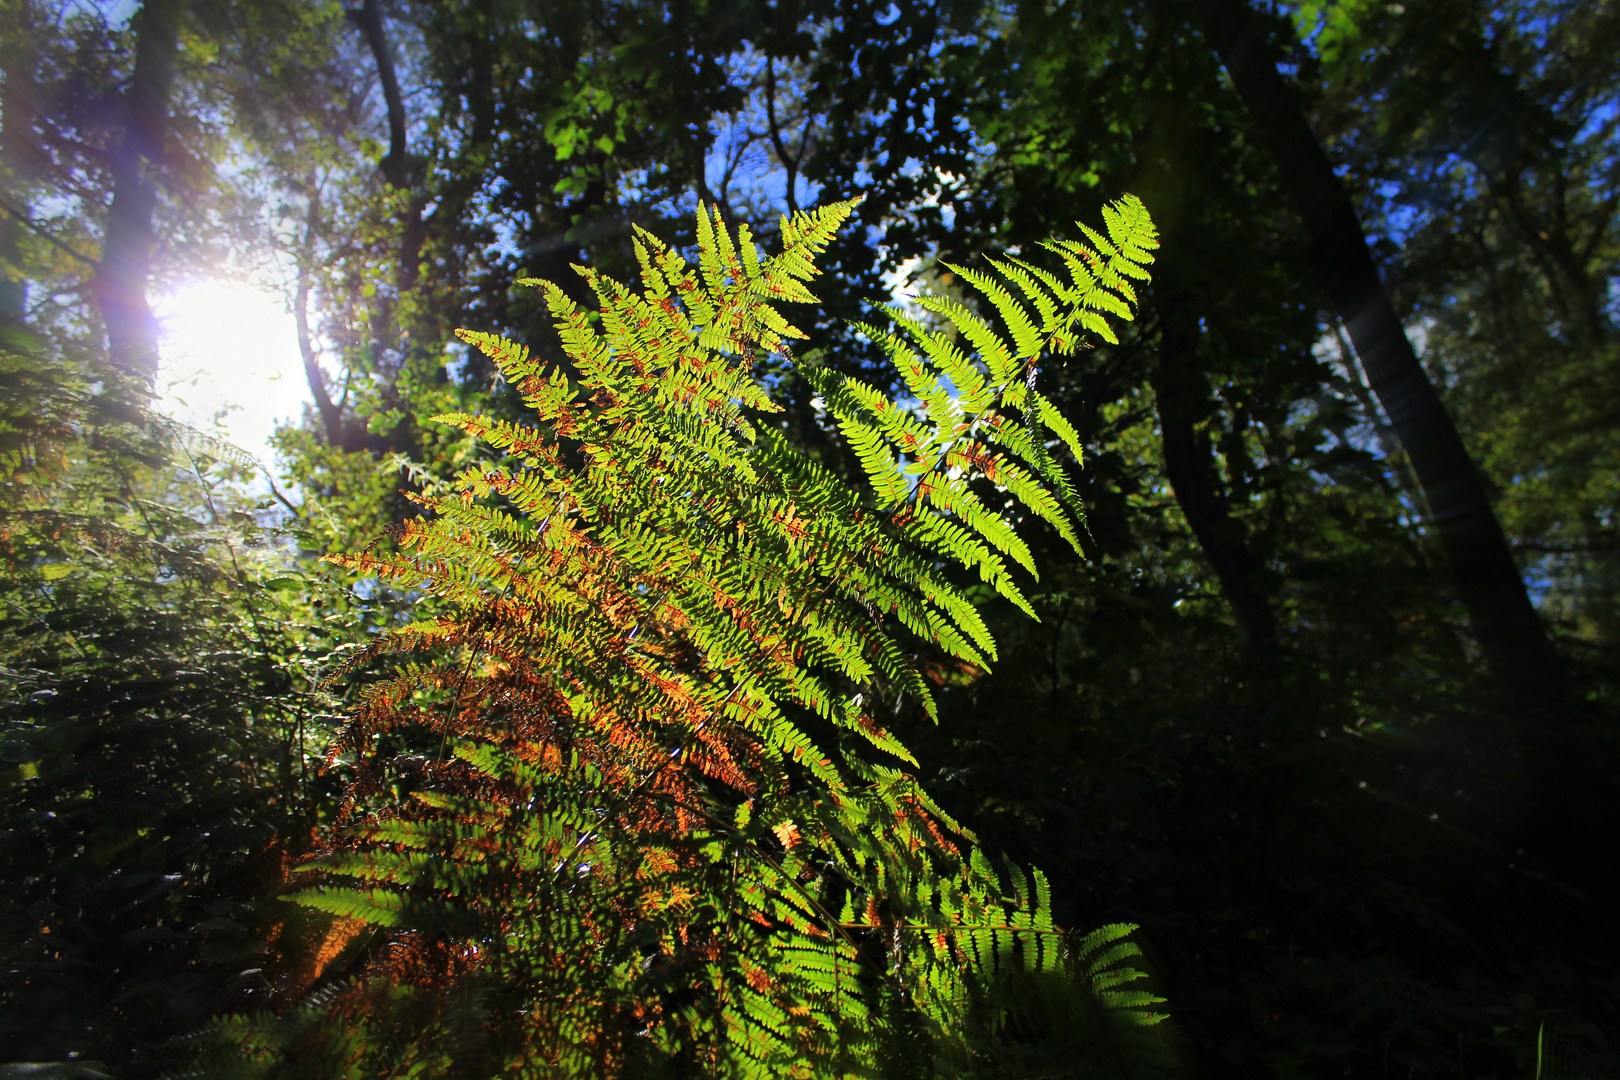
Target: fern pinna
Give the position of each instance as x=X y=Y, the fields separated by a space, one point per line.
x=653 y=821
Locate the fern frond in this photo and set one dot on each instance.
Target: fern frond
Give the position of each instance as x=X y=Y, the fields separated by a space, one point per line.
x=618 y=812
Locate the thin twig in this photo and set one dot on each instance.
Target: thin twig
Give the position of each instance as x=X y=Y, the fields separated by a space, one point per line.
x=63 y=245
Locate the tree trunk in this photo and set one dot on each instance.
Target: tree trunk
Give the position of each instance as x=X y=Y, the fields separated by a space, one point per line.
x=1568 y=819
x=13 y=289
x=398 y=172
x=396 y=166
x=1177 y=389
x=17 y=63
x=1510 y=634
x=330 y=412
x=126 y=258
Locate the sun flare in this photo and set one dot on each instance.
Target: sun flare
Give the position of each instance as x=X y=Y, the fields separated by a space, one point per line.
x=230 y=356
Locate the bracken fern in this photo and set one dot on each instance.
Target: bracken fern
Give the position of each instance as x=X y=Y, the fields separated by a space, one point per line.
x=650 y=820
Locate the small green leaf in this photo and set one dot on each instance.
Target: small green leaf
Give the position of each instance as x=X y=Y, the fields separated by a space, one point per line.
x=17 y=774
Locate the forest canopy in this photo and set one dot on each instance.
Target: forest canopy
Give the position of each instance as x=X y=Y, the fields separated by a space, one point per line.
x=823 y=538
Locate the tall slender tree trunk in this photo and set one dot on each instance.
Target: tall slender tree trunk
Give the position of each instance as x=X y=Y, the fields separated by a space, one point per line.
x=16 y=67
x=1510 y=634
x=331 y=413
x=126 y=258
x=399 y=173
x=13 y=288
x=397 y=167
x=369 y=18
x=1178 y=389
x=1569 y=816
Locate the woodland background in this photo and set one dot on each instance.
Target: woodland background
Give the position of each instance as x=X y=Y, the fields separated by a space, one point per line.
x=1367 y=831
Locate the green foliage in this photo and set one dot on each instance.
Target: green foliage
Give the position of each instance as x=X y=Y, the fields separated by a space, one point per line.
x=633 y=811
x=1307 y=837
x=151 y=762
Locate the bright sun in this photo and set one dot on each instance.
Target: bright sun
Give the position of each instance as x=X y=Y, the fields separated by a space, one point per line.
x=233 y=347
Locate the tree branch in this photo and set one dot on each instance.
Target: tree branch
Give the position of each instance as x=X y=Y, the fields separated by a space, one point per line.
x=7 y=208
x=789 y=162
x=282 y=499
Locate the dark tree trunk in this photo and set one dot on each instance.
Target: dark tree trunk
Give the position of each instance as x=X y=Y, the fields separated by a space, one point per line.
x=368 y=17
x=1510 y=634
x=1568 y=819
x=16 y=62
x=1178 y=391
x=126 y=258
x=331 y=412
x=400 y=173
x=13 y=290
x=396 y=168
